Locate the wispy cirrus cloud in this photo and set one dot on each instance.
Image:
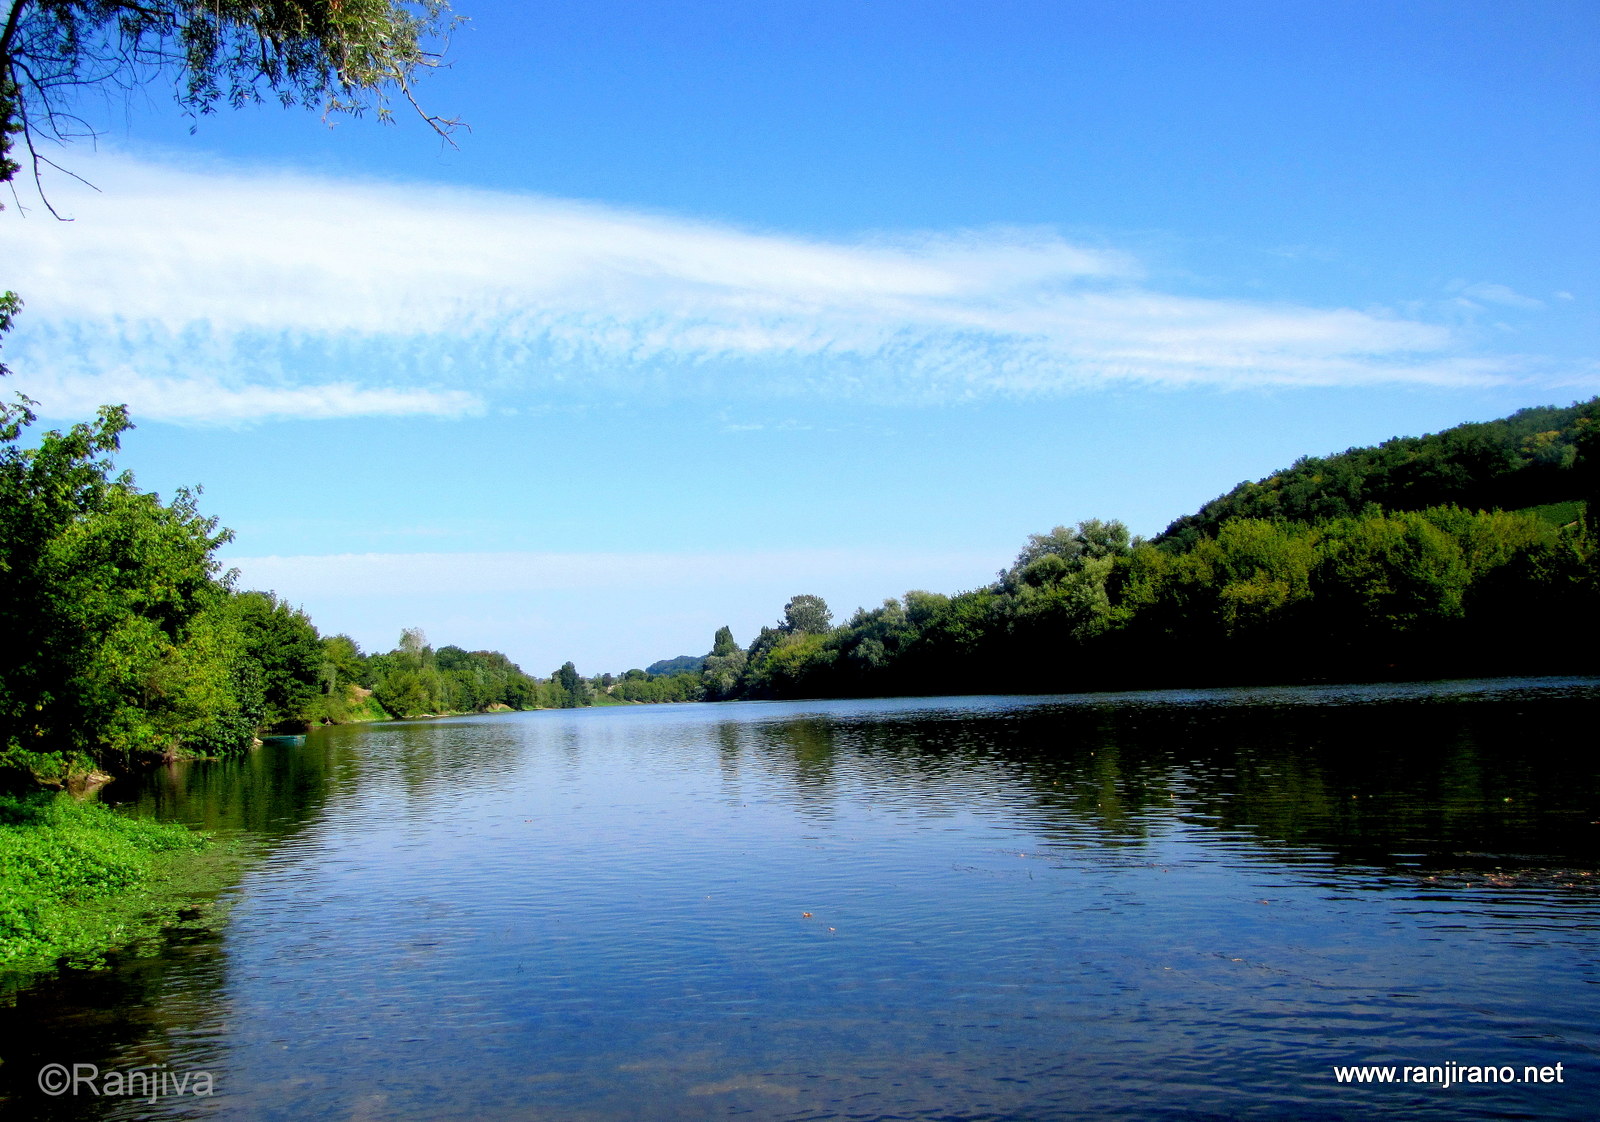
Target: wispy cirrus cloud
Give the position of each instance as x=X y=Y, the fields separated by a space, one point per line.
x=1489 y=292
x=206 y=400
x=226 y=296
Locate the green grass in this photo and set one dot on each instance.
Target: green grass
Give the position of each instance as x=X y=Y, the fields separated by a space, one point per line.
x=1558 y=514
x=78 y=880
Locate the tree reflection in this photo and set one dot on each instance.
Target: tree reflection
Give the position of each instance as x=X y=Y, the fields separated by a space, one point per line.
x=1434 y=777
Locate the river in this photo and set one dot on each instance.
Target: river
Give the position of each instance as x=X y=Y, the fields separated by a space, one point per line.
x=1173 y=905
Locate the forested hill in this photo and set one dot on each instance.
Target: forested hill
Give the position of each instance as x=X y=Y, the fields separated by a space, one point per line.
x=1520 y=461
x=1470 y=552
x=683 y=664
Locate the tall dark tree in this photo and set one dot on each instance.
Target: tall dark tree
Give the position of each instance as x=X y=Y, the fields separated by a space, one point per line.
x=282 y=642
x=724 y=666
x=571 y=692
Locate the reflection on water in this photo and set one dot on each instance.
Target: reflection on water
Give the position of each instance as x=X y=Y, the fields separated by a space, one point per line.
x=1167 y=905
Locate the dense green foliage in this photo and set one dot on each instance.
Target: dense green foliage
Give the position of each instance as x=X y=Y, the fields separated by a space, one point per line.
x=415 y=680
x=285 y=654
x=76 y=878
x=1524 y=460
x=118 y=636
x=636 y=685
x=567 y=689
x=1386 y=562
x=125 y=642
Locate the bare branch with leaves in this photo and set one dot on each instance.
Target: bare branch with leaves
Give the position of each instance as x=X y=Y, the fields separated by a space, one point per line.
x=340 y=56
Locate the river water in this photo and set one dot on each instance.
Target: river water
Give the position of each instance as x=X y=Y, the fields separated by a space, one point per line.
x=1173 y=905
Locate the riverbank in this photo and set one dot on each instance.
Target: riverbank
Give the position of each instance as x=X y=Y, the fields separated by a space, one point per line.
x=78 y=881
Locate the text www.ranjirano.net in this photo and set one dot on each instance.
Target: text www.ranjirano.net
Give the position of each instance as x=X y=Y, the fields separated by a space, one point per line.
x=1448 y=1075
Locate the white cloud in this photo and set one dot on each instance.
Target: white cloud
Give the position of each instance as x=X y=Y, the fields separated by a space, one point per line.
x=367 y=298
x=1501 y=294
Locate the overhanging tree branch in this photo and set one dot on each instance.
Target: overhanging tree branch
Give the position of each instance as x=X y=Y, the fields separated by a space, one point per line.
x=342 y=56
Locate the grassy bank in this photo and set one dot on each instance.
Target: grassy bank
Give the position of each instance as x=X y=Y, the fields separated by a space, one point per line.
x=78 y=880
x=363 y=708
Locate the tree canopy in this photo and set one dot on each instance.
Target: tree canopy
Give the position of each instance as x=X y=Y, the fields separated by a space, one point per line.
x=1531 y=458
x=339 y=56
x=105 y=590
x=807 y=615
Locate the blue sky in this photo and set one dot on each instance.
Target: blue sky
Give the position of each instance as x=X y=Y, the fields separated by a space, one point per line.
x=718 y=303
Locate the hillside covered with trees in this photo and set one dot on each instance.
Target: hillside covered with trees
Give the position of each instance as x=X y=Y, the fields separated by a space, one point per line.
x=1470 y=551
x=1521 y=461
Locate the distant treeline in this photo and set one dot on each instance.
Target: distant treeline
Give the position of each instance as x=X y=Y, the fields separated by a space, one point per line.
x=1395 y=561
